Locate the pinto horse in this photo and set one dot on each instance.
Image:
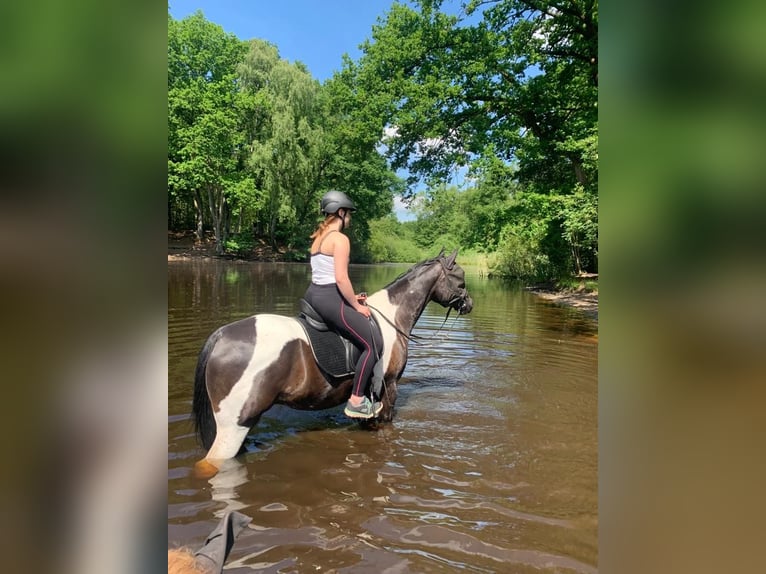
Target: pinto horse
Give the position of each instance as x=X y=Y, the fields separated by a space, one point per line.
x=249 y=365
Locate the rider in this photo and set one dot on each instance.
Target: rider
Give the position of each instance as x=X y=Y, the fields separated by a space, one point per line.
x=332 y=295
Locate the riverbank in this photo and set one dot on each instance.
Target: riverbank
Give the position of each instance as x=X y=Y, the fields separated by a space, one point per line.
x=582 y=299
x=183 y=247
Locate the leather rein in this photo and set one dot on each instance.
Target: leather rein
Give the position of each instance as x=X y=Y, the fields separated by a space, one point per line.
x=418 y=338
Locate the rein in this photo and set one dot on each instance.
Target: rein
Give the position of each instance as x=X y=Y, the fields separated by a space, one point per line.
x=418 y=338
x=413 y=338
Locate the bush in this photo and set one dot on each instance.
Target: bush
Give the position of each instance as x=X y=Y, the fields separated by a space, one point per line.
x=240 y=244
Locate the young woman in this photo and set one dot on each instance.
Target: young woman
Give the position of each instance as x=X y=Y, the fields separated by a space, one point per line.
x=332 y=295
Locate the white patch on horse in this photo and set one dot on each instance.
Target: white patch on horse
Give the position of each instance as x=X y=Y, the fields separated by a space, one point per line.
x=380 y=301
x=273 y=332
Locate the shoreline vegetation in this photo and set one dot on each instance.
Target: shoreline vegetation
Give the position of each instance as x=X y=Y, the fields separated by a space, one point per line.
x=503 y=165
x=580 y=292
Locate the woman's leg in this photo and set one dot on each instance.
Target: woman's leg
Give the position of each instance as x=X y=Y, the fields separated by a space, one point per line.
x=361 y=332
x=329 y=303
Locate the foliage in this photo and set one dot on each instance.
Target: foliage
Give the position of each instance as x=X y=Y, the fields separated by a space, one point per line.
x=393 y=241
x=579 y=213
x=523 y=79
x=254 y=142
x=286 y=141
x=504 y=90
x=205 y=129
x=240 y=244
x=507 y=88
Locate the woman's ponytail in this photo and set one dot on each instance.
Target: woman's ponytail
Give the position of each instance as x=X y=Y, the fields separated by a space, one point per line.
x=322 y=226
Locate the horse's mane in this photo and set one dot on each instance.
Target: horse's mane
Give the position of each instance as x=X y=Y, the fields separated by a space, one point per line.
x=413 y=268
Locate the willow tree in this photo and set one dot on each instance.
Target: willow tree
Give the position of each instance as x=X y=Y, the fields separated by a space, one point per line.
x=286 y=140
x=205 y=121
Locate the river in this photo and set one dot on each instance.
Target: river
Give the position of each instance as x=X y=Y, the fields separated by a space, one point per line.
x=490 y=463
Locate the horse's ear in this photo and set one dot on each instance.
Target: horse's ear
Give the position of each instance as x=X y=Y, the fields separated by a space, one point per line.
x=451 y=259
x=441 y=253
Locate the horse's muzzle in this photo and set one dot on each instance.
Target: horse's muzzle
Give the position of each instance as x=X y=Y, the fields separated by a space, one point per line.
x=464 y=304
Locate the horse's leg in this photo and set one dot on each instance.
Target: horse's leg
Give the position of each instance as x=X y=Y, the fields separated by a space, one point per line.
x=388 y=398
x=228 y=381
x=252 y=395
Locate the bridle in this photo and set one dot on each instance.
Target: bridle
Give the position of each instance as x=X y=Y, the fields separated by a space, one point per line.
x=458 y=296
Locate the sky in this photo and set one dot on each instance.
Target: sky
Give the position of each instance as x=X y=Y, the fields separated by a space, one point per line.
x=315 y=32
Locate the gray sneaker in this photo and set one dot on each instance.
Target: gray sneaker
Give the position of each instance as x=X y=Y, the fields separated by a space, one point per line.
x=366 y=410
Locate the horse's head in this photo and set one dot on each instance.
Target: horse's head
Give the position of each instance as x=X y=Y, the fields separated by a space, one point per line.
x=450 y=290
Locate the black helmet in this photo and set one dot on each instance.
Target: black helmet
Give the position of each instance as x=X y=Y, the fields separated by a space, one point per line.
x=332 y=201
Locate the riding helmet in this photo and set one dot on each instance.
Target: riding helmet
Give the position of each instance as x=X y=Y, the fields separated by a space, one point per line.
x=333 y=200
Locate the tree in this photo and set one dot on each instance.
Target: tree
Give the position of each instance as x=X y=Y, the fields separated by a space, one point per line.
x=354 y=162
x=205 y=110
x=523 y=79
x=513 y=80
x=287 y=140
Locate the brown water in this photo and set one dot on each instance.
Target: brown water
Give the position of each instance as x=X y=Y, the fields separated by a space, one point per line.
x=490 y=464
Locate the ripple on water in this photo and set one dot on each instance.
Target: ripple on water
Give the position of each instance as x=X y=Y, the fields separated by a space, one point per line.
x=490 y=464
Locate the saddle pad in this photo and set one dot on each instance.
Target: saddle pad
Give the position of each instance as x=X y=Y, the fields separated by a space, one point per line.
x=330 y=351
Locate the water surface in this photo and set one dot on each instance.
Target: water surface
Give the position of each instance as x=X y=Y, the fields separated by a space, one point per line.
x=490 y=464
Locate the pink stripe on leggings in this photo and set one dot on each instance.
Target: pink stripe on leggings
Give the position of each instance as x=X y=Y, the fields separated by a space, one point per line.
x=359 y=380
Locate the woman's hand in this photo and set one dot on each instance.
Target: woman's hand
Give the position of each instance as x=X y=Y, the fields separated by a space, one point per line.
x=363 y=309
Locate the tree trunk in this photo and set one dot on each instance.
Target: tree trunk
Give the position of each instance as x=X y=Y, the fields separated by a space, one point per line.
x=273 y=229
x=579 y=173
x=198 y=215
x=215 y=198
x=576 y=256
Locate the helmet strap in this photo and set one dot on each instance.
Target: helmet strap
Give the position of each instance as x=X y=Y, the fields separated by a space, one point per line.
x=342 y=219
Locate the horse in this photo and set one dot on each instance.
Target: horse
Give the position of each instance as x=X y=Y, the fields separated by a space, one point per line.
x=246 y=367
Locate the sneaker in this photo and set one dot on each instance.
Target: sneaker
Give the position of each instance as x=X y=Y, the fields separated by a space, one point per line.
x=366 y=410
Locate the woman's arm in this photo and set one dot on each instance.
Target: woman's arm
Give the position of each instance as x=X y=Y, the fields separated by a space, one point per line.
x=341 y=252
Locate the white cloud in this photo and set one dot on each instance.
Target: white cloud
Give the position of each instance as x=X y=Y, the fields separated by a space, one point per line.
x=401 y=210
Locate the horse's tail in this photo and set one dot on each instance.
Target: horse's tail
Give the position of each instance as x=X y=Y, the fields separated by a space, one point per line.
x=204 y=421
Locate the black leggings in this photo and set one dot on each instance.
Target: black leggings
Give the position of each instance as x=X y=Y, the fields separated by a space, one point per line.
x=342 y=317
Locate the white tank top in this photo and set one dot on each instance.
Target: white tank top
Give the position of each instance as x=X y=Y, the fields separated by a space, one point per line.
x=322 y=269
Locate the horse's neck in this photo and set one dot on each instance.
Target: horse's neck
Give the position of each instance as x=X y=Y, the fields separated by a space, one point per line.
x=408 y=296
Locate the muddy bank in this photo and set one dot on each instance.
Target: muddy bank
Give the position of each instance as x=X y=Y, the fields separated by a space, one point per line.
x=182 y=246
x=586 y=301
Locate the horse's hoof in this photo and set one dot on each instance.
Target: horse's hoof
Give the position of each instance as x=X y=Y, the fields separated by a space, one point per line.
x=203 y=469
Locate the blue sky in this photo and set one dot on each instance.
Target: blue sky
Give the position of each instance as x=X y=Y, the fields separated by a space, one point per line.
x=315 y=32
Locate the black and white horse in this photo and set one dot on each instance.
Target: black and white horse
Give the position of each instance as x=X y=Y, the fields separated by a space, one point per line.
x=249 y=365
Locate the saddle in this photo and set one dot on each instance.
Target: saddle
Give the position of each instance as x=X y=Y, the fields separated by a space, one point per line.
x=335 y=355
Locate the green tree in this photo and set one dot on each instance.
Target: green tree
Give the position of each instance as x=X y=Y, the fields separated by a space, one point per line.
x=354 y=161
x=205 y=110
x=510 y=81
x=287 y=146
x=393 y=241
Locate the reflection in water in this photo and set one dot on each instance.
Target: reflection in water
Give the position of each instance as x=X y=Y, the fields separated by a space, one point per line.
x=223 y=486
x=489 y=466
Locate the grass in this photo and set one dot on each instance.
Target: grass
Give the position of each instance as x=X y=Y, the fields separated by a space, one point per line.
x=589 y=285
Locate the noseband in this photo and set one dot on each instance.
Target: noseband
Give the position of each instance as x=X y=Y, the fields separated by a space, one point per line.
x=457 y=300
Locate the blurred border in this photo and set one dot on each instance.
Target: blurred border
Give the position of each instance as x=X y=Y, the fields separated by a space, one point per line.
x=82 y=284
x=682 y=324
x=682 y=321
